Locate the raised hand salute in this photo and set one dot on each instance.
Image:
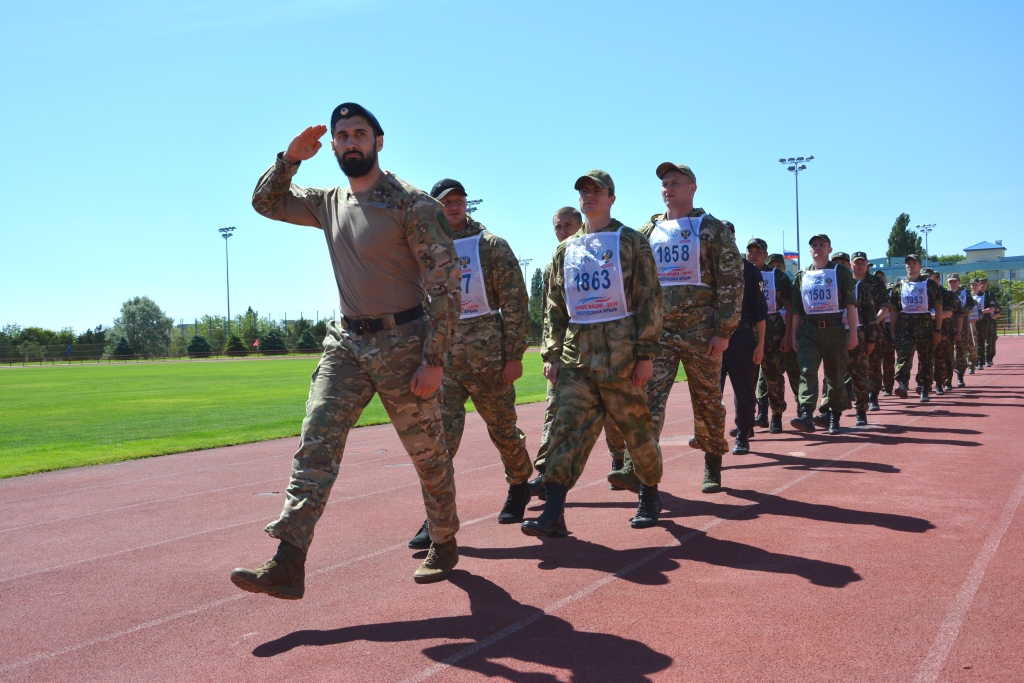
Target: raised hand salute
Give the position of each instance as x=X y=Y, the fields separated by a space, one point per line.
x=305 y=145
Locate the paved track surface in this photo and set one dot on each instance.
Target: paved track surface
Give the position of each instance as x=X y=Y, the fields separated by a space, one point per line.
x=890 y=553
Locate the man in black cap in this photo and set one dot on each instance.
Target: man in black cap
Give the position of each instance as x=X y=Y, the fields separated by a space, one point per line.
x=745 y=353
x=778 y=292
x=825 y=292
x=911 y=304
x=398 y=280
x=487 y=349
x=952 y=319
x=963 y=339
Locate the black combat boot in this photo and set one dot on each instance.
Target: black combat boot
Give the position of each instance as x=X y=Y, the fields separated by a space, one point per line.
x=616 y=467
x=873 y=402
x=537 y=484
x=649 y=508
x=515 y=504
x=862 y=418
x=776 y=424
x=742 y=446
x=712 y=474
x=960 y=379
x=833 y=422
x=925 y=397
x=822 y=418
x=762 y=414
x=938 y=389
x=802 y=422
x=421 y=541
x=282 y=576
x=551 y=522
x=970 y=370
x=948 y=386
x=735 y=430
x=901 y=390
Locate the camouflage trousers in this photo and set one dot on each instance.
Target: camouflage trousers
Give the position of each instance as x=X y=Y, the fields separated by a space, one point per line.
x=495 y=401
x=944 y=360
x=858 y=375
x=993 y=336
x=882 y=362
x=965 y=351
x=612 y=436
x=584 y=405
x=773 y=367
x=817 y=347
x=703 y=380
x=792 y=375
x=354 y=367
x=911 y=336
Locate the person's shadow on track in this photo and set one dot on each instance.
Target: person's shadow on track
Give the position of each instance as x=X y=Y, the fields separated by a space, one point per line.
x=652 y=565
x=499 y=628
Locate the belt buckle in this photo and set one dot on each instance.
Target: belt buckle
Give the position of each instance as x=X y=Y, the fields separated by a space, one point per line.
x=362 y=326
x=822 y=324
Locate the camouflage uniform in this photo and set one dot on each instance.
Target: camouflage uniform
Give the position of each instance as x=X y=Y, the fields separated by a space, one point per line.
x=693 y=315
x=596 y=362
x=773 y=367
x=880 y=295
x=822 y=340
x=965 y=351
x=481 y=347
x=984 y=328
x=993 y=332
x=883 y=359
x=914 y=332
x=612 y=435
x=944 y=351
x=857 y=373
x=356 y=365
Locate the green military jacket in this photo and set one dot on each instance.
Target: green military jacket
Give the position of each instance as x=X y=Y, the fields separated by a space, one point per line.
x=867 y=310
x=721 y=269
x=608 y=349
x=950 y=302
x=847 y=296
x=485 y=343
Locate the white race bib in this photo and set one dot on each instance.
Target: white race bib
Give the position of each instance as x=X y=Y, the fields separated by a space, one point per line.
x=768 y=278
x=474 y=293
x=914 y=297
x=676 y=247
x=593 y=278
x=846 y=313
x=819 y=291
x=973 y=314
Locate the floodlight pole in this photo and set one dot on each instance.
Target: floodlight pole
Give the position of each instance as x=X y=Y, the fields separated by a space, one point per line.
x=525 y=262
x=797 y=164
x=226 y=233
x=926 y=229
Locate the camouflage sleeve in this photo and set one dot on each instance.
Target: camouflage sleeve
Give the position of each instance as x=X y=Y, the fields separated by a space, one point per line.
x=957 y=307
x=783 y=289
x=276 y=198
x=866 y=313
x=545 y=285
x=645 y=297
x=507 y=289
x=847 y=287
x=430 y=239
x=729 y=281
x=934 y=295
x=557 y=313
x=797 y=305
x=895 y=301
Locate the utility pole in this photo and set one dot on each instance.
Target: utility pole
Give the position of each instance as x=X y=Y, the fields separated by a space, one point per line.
x=797 y=164
x=226 y=233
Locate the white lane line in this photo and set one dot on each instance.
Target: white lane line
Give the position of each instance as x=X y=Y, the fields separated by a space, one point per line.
x=933 y=662
x=511 y=629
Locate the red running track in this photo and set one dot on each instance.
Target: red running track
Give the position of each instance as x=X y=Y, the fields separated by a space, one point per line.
x=890 y=553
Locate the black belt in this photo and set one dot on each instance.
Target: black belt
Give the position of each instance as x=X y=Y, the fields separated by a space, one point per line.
x=822 y=324
x=387 y=322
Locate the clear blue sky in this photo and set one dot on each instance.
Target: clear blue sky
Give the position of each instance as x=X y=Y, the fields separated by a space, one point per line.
x=133 y=131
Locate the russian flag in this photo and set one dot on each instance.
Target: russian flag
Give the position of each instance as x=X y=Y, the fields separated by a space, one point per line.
x=791 y=255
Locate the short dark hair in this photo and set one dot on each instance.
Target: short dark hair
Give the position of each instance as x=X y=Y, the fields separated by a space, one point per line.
x=568 y=210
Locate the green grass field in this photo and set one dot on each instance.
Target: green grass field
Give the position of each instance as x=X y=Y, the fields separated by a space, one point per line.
x=60 y=416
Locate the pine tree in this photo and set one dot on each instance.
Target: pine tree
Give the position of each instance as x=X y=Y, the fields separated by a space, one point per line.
x=272 y=343
x=307 y=343
x=198 y=347
x=123 y=349
x=903 y=241
x=235 y=347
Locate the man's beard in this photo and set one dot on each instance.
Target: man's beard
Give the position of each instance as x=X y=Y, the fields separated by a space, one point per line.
x=355 y=165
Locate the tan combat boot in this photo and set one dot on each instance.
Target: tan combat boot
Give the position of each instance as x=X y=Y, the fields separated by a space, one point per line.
x=282 y=576
x=441 y=559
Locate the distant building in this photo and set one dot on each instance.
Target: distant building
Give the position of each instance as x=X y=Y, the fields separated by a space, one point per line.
x=987 y=256
x=985 y=251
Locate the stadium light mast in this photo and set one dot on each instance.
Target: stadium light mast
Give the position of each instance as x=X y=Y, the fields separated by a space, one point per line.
x=525 y=262
x=795 y=165
x=925 y=230
x=226 y=233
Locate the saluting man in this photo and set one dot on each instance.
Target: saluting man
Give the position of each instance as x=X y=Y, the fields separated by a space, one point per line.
x=487 y=349
x=398 y=282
